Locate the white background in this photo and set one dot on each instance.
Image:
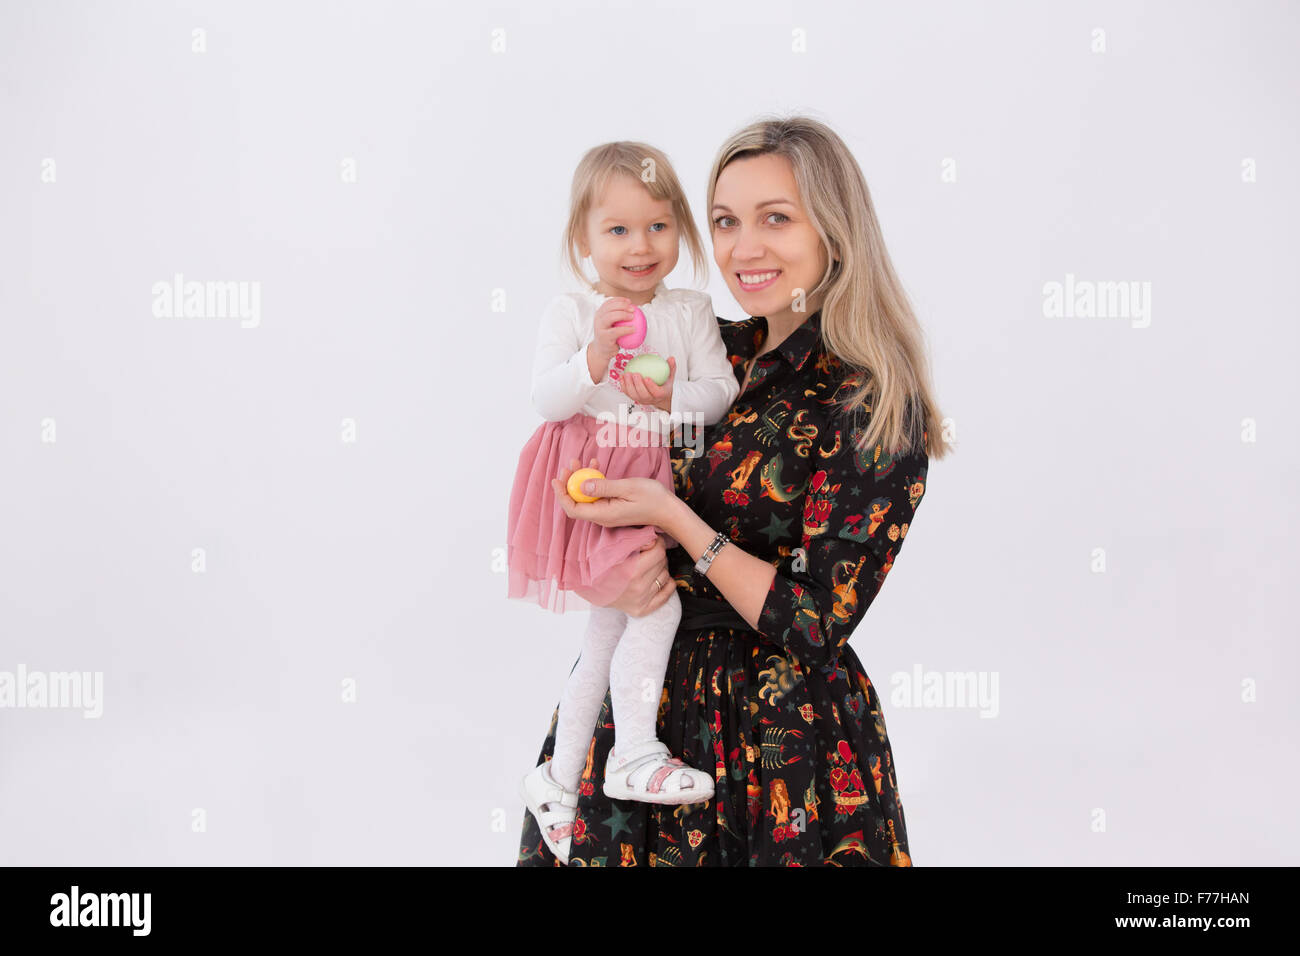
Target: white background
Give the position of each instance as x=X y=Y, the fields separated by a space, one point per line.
x=1119 y=692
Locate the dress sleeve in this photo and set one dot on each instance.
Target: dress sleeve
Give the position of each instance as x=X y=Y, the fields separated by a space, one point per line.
x=562 y=382
x=857 y=509
x=712 y=386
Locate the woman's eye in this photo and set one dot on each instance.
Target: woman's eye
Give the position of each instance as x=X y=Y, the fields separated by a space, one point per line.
x=784 y=217
x=615 y=230
x=718 y=221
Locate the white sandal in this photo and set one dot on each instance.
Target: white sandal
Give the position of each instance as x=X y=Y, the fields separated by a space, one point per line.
x=650 y=774
x=553 y=807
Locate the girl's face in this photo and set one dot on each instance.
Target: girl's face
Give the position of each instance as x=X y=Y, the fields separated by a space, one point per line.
x=763 y=241
x=632 y=239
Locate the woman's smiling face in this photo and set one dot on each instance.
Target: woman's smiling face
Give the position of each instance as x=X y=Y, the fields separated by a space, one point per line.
x=763 y=241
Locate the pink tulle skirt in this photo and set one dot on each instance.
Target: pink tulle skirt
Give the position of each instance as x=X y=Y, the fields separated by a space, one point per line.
x=564 y=563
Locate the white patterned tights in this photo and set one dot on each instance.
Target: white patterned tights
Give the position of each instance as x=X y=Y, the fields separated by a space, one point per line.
x=625 y=656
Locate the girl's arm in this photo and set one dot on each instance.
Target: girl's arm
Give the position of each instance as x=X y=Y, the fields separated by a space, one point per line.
x=712 y=386
x=562 y=381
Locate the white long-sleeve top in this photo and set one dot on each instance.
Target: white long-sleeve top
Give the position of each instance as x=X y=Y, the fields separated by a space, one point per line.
x=679 y=322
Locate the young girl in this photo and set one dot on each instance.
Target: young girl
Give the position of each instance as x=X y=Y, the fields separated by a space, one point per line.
x=628 y=213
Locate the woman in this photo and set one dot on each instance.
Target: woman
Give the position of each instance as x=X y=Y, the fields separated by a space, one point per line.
x=787 y=526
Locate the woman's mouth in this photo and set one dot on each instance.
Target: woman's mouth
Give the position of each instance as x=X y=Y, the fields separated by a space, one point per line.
x=641 y=270
x=754 y=280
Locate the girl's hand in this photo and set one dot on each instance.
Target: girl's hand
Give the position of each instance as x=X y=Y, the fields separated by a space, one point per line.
x=623 y=501
x=646 y=392
x=605 y=331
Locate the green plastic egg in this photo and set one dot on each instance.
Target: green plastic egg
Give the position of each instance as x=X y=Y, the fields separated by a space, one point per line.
x=650 y=365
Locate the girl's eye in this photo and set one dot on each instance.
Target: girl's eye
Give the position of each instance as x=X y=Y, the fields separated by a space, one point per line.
x=661 y=226
x=615 y=229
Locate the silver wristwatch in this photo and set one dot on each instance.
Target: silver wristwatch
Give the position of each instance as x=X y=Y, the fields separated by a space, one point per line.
x=710 y=552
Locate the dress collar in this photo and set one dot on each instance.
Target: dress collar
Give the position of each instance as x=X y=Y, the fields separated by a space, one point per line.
x=660 y=289
x=799 y=346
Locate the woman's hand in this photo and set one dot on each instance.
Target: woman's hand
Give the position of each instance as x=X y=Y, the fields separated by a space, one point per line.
x=623 y=501
x=641 y=596
x=645 y=392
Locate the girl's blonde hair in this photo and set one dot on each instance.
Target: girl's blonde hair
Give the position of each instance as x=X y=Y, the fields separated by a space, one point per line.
x=866 y=318
x=648 y=166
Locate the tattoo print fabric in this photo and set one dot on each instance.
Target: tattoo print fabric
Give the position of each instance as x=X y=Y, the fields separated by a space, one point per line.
x=785 y=717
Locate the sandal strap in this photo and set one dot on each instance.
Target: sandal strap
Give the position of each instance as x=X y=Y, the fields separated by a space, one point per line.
x=562 y=804
x=551 y=818
x=662 y=773
x=552 y=792
x=557 y=823
x=636 y=755
x=563 y=797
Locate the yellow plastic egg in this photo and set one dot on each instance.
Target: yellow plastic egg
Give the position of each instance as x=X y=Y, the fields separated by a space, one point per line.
x=576 y=479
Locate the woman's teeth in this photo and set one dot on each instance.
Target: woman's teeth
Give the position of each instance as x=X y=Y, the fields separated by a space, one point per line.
x=758 y=278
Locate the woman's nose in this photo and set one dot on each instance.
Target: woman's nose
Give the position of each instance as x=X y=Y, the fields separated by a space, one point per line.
x=747 y=246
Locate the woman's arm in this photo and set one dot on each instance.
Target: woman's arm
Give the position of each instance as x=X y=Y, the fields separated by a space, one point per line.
x=812 y=602
x=641 y=596
x=744 y=580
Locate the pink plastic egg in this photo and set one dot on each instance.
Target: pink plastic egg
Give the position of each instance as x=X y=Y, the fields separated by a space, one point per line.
x=637 y=335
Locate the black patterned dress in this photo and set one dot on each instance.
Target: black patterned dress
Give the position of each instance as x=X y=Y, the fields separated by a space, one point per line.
x=785 y=718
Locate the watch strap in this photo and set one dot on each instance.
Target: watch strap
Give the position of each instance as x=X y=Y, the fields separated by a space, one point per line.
x=706 y=559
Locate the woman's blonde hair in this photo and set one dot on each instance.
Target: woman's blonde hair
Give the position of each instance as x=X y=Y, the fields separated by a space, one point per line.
x=644 y=164
x=866 y=318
